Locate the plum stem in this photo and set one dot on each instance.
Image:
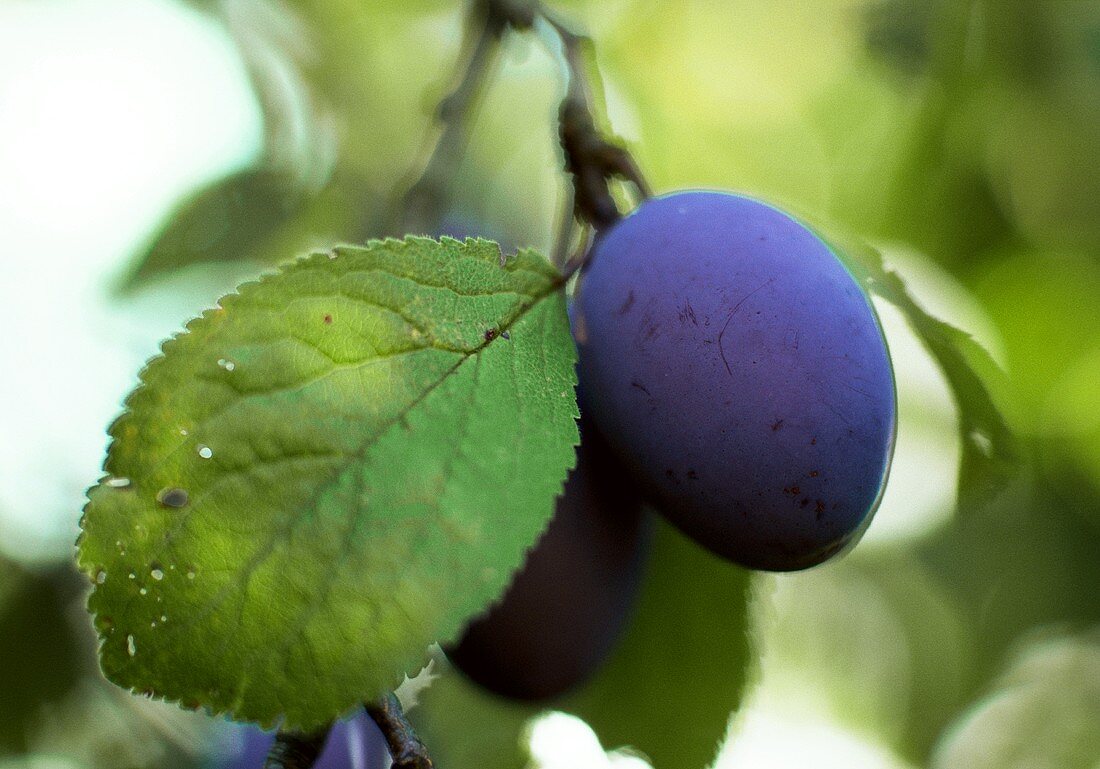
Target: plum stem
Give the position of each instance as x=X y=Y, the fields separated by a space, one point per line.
x=591 y=158
x=406 y=749
x=296 y=750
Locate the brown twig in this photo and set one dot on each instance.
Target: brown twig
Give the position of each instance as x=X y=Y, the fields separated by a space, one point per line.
x=406 y=749
x=422 y=206
x=593 y=160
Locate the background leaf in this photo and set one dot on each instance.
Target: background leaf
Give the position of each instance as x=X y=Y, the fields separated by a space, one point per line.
x=299 y=498
x=885 y=638
x=992 y=456
x=1043 y=712
x=671 y=694
x=40 y=651
x=466 y=727
x=1026 y=564
x=230 y=219
x=668 y=689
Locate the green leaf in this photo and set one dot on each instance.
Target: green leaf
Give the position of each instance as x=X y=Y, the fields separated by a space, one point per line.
x=668 y=690
x=1025 y=564
x=991 y=452
x=672 y=699
x=328 y=472
x=1044 y=712
x=230 y=219
x=40 y=652
x=465 y=727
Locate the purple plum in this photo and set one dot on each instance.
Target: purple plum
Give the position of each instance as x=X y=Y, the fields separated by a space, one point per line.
x=569 y=603
x=740 y=373
x=353 y=743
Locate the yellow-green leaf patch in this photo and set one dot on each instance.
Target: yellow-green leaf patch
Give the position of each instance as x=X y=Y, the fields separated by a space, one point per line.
x=331 y=470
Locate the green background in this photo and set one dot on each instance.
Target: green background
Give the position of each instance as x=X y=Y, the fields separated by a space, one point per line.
x=960 y=138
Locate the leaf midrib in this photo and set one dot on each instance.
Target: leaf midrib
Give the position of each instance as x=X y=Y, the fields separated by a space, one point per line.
x=245 y=575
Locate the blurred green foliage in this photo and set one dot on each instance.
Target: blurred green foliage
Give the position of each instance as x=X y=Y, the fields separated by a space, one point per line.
x=44 y=654
x=1044 y=712
x=667 y=690
x=966 y=130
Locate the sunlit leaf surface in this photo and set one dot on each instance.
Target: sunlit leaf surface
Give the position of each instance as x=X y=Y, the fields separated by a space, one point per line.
x=331 y=470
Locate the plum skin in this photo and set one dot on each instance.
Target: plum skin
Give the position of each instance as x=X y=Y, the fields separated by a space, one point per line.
x=740 y=373
x=569 y=603
x=571 y=600
x=354 y=743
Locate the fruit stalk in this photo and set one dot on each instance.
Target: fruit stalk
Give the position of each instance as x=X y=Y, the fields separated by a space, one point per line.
x=592 y=159
x=407 y=750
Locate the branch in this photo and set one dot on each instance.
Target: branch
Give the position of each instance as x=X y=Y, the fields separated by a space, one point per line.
x=293 y=750
x=592 y=159
x=407 y=750
x=423 y=204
